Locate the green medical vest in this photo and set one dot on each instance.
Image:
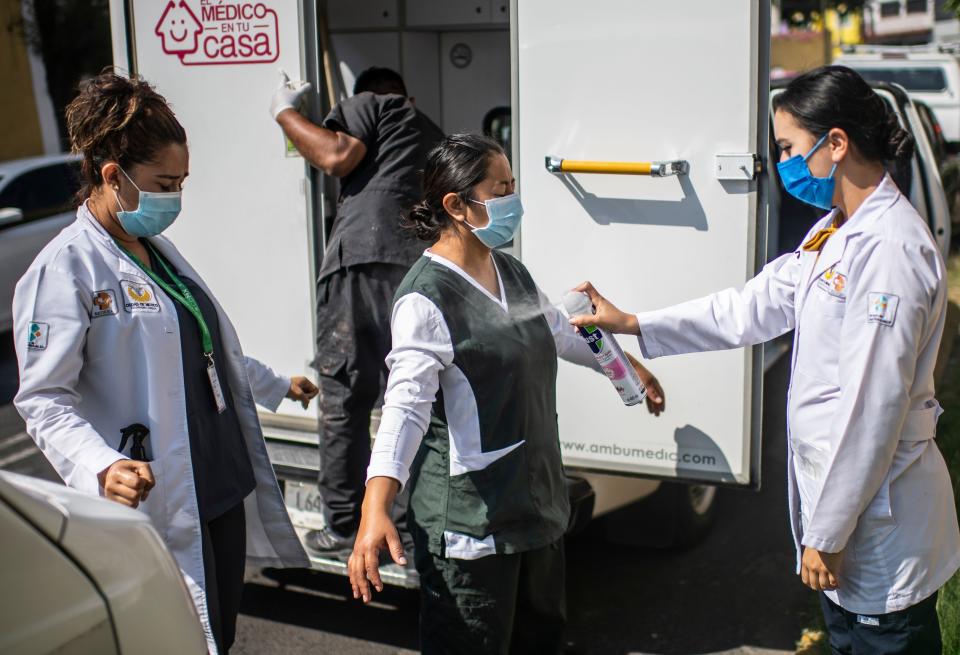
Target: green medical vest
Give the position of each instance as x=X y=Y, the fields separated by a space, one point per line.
x=507 y=362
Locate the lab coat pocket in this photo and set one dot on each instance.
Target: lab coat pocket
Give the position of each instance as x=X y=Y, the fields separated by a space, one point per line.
x=827 y=304
x=870 y=541
x=811 y=462
x=880 y=509
x=155 y=505
x=818 y=339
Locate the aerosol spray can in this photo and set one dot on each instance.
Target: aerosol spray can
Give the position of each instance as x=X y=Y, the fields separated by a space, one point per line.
x=608 y=352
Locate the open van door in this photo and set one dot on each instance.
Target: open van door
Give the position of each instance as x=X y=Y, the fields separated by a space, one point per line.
x=683 y=85
x=248 y=222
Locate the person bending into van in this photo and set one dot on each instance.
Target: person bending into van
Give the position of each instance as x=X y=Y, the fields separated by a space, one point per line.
x=470 y=422
x=376 y=142
x=872 y=507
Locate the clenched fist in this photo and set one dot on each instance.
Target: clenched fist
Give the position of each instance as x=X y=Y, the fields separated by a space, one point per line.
x=302 y=390
x=127 y=482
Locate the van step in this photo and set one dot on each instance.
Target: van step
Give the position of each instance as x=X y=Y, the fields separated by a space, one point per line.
x=391 y=574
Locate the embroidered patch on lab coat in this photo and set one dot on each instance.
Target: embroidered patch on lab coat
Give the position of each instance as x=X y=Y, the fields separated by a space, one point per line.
x=104 y=303
x=37 y=338
x=882 y=308
x=833 y=283
x=138 y=297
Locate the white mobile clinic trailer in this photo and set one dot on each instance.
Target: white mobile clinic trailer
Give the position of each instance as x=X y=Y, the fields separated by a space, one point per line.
x=575 y=90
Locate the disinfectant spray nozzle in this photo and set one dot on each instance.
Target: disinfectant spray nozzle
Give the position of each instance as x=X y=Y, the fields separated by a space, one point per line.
x=577 y=303
x=606 y=351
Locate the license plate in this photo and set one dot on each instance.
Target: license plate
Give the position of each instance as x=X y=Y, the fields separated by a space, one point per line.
x=304 y=505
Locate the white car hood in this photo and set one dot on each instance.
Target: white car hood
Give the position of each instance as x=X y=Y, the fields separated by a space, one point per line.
x=122 y=553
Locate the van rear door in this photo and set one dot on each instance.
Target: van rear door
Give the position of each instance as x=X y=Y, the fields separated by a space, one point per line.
x=248 y=216
x=627 y=81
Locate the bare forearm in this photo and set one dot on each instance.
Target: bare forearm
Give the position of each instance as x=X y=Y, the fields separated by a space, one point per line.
x=381 y=492
x=318 y=145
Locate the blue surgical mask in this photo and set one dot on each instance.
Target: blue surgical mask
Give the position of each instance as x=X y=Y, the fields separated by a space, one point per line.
x=504 y=216
x=154 y=213
x=803 y=185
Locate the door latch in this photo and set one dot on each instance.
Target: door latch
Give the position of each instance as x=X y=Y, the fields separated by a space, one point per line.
x=739 y=166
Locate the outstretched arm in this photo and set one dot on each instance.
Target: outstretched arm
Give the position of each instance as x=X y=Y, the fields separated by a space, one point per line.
x=759 y=311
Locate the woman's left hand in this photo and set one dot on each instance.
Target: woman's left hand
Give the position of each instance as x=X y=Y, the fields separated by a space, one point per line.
x=656 y=401
x=821 y=571
x=303 y=390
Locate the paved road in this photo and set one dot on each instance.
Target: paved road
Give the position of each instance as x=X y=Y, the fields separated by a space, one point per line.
x=735 y=590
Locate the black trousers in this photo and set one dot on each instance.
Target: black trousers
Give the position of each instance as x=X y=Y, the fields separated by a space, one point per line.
x=354 y=306
x=913 y=631
x=494 y=605
x=224 y=556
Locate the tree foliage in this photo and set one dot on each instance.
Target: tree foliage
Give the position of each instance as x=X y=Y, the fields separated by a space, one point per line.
x=72 y=37
x=801 y=12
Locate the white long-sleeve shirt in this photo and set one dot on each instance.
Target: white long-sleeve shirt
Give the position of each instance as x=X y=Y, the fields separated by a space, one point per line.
x=422 y=351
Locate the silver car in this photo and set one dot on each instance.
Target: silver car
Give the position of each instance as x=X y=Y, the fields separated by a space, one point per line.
x=37 y=199
x=83 y=574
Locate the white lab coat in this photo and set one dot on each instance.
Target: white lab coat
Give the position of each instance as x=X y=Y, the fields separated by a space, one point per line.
x=92 y=371
x=865 y=476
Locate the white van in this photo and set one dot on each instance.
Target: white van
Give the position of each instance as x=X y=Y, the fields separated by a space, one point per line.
x=927 y=74
x=596 y=82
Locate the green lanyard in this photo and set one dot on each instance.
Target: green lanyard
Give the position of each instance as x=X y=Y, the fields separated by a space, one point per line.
x=184 y=297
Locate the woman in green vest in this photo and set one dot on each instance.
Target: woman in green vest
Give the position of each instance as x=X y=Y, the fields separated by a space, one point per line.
x=470 y=421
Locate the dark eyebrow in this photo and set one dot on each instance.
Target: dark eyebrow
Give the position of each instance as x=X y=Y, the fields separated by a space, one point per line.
x=506 y=182
x=173 y=177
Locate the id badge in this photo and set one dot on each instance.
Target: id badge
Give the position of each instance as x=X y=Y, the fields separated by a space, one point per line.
x=217 y=389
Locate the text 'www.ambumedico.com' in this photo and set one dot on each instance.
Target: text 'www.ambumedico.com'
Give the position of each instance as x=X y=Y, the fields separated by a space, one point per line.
x=642 y=454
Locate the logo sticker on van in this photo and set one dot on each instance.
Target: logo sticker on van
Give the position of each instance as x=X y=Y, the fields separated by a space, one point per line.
x=209 y=33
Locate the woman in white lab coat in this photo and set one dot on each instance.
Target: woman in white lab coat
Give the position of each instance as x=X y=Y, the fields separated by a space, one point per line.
x=132 y=380
x=872 y=508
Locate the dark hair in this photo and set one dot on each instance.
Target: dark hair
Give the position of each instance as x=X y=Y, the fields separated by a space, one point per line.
x=381 y=81
x=836 y=96
x=455 y=165
x=120 y=119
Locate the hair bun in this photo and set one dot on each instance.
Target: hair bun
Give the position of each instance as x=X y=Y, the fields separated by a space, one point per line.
x=425 y=221
x=120 y=119
x=105 y=105
x=898 y=143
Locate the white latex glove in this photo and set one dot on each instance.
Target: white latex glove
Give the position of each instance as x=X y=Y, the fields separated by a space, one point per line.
x=288 y=94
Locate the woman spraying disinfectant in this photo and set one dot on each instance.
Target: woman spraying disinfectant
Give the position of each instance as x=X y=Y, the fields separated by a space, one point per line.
x=607 y=352
x=871 y=501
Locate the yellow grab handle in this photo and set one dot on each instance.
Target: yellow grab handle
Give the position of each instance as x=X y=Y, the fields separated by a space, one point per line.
x=611 y=167
x=653 y=168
